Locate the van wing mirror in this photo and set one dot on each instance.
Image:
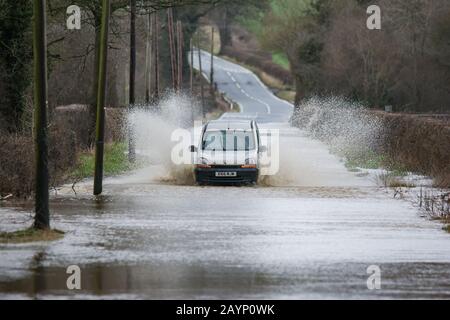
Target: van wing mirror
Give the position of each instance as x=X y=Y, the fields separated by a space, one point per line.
x=193 y=149
x=263 y=149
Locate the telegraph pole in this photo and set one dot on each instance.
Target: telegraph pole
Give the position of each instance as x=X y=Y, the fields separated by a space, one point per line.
x=156 y=58
x=211 y=75
x=148 y=57
x=202 y=90
x=191 y=44
x=191 y=72
x=170 y=30
x=131 y=145
x=180 y=54
x=42 y=217
x=101 y=94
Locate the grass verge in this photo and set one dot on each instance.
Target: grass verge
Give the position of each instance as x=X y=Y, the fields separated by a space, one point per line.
x=31 y=235
x=368 y=159
x=116 y=162
x=288 y=95
x=364 y=159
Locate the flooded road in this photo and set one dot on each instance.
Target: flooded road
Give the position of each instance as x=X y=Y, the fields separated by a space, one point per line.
x=155 y=241
x=309 y=232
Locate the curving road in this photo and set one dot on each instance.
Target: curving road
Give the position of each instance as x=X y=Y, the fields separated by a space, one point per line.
x=243 y=87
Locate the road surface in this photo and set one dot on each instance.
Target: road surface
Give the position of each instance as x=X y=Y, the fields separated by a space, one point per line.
x=312 y=231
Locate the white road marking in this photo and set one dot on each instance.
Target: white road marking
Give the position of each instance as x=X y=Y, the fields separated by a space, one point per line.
x=240 y=70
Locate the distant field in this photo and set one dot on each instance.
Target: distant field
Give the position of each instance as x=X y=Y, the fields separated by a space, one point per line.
x=281 y=60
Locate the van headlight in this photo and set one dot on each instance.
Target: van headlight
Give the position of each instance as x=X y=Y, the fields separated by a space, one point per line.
x=250 y=161
x=249 y=164
x=203 y=163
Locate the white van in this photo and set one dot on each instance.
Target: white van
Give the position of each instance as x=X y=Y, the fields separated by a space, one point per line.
x=229 y=153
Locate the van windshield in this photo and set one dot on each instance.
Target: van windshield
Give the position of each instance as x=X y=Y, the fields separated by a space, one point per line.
x=228 y=140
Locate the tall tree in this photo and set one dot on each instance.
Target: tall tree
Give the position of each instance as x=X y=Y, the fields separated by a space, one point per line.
x=296 y=28
x=227 y=12
x=42 y=217
x=15 y=61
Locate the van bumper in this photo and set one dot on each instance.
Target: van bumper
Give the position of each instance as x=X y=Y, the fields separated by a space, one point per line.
x=243 y=176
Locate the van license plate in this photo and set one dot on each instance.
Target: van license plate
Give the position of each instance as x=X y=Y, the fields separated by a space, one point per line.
x=226 y=174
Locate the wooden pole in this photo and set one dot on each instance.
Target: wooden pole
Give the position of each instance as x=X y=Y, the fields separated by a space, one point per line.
x=101 y=94
x=211 y=75
x=170 y=29
x=148 y=57
x=156 y=51
x=191 y=69
x=132 y=101
x=42 y=217
x=180 y=54
x=132 y=52
x=202 y=90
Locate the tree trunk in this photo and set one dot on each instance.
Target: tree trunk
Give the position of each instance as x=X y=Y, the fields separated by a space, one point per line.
x=224 y=30
x=42 y=217
x=101 y=94
x=299 y=91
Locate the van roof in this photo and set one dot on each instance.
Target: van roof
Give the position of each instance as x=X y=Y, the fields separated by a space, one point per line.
x=230 y=125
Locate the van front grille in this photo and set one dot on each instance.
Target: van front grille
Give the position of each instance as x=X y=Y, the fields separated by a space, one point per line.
x=225 y=167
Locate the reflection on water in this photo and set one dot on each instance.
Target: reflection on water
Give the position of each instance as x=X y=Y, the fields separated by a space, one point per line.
x=174 y=281
x=100 y=202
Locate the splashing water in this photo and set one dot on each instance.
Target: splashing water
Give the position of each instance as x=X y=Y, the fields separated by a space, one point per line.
x=305 y=159
x=346 y=126
x=330 y=129
x=151 y=129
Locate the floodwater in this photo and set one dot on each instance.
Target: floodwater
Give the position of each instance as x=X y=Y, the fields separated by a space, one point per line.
x=309 y=232
x=291 y=238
